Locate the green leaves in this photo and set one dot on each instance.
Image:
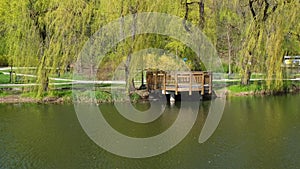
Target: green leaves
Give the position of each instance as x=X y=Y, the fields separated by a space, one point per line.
x=50 y=34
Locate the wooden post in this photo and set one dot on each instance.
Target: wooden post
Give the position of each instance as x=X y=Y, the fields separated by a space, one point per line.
x=210 y=83
x=165 y=81
x=203 y=81
x=148 y=81
x=172 y=98
x=155 y=81
x=176 y=84
x=190 y=90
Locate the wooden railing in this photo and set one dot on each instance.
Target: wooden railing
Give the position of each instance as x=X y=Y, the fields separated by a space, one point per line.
x=180 y=81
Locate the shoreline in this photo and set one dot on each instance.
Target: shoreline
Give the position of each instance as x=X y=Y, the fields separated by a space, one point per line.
x=17 y=98
x=262 y=93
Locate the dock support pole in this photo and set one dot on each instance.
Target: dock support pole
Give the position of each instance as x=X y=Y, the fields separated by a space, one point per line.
x=172 y=97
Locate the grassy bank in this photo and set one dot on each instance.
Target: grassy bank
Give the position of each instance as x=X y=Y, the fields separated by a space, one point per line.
x=63 y=96
x=261 y=89
x=61 y=92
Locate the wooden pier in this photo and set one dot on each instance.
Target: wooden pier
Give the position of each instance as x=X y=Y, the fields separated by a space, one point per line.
x=194 y=81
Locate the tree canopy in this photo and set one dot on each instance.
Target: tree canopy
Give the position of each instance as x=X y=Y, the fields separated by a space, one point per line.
x=249 y=35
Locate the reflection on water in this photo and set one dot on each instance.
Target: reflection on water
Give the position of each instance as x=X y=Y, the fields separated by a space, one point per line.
x=255 y=132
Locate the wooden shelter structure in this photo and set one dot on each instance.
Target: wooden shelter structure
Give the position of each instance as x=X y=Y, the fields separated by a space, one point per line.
x=180 y=81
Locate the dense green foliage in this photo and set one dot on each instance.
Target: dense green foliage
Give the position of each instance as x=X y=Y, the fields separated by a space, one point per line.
x=249 y=35
x=248 y=88
x=4 y=78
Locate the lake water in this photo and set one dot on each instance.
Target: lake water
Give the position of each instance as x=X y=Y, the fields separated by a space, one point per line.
x=254 y=132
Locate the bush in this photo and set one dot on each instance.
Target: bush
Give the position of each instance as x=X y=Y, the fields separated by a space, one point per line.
x=3 y=93
x=61 y=93
x=225 y=67
x=103 y=96
x=134 y=97
x=246 y=88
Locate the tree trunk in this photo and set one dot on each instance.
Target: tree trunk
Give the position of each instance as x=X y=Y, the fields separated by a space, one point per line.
x=201 y=14
x=186 y=16
x=129 y=80
x=46 y=82
x=246 y=78
x=11 y=75
x=229 y=50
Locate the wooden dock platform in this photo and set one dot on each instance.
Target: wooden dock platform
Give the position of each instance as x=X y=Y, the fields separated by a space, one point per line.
x=173 y=81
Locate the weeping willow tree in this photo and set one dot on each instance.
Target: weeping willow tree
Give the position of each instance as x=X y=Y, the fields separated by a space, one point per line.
x=265 y=36
x=67 y=25
x=50 y=34
x=275 y=42
x=46 y=34
x=20 y=33
x=136 y=42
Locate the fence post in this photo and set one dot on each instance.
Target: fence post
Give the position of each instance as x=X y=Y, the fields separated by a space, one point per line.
x=165 y=81
x=190 y=90
x=203 y=83
x=210 y=83
x=176 y=83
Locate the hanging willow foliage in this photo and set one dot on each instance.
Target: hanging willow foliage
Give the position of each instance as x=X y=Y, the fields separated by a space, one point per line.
x=67 y=30
x=49 y=35
x=275 y=42
x=264 y=46
x=21 y=34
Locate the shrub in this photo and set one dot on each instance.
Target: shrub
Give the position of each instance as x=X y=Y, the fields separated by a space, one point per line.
x=134 y=97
